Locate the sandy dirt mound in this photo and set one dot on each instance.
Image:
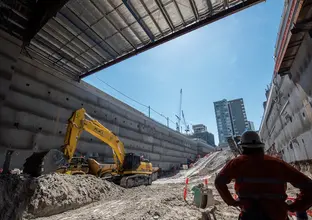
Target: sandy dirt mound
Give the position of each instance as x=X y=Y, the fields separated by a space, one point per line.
x=90 y=198
x=57 y=193
x=205 y=167
x=163 y=200
x=145 y=202
x=217 y=163
x=50 y=194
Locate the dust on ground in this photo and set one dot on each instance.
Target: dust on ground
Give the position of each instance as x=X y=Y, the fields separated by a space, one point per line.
x=162 y=200
x=56 y=197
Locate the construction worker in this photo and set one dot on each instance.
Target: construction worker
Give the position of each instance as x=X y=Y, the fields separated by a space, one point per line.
x=260 y=183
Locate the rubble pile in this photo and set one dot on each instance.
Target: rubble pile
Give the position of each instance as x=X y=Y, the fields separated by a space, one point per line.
x=51 y=194
x=55 y=196
x=161 y=202
x=205 y=167
x=217 y=163
x=15 y=195
x=57 y=193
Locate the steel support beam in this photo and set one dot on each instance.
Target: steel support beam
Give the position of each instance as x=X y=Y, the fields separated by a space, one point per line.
x=194 y=9
x=44 y=10
x=226 y=4
x=125 y=20
x=152 y=17
x=284 y=71
x=111 y=23
x=111 y=49
x=293 y=45
x=286 y=59
x=209 y=5
x=134 y=13
x=303 y=26
x=179 y=11
x=164 y=13
x=176 y=34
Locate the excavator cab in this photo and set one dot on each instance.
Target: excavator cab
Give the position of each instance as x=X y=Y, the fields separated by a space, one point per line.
x=131 y=162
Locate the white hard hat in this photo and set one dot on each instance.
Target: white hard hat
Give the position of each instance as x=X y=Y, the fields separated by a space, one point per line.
x=251 y=139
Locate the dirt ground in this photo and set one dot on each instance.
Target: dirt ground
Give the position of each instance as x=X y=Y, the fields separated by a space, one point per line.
x=25 y=197
x=162 y=200
x=56 y=197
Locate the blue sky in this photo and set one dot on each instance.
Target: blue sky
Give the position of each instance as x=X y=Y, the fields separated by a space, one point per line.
x=231 y=58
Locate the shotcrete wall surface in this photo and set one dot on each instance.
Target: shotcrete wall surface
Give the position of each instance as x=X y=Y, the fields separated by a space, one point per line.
x=36 y=102
x=287 y=122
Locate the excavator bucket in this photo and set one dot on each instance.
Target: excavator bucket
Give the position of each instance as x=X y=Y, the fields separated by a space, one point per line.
x=44 y=162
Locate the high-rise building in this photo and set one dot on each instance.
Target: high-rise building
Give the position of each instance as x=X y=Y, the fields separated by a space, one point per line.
x=199 y=128
x=231 y=118
x=223 y=120
x=251 y=126
x=238 y=116
x=200 y=131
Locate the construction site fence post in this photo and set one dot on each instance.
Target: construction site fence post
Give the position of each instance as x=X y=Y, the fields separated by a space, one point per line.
x=149 y=111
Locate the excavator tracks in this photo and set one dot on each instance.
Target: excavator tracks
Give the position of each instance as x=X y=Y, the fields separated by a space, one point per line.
x=135 y=180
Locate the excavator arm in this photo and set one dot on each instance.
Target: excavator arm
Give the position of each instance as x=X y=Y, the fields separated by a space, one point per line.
x=78 y=122
x=128 y=170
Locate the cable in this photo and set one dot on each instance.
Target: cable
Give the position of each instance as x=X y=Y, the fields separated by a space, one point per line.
x=146 y=106
x=120 y=92
x=158 y=113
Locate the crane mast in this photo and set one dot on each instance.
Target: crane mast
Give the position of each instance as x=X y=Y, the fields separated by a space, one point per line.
x=186 y=126
x=178 y=124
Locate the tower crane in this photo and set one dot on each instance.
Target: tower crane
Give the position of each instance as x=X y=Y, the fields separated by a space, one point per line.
x=178 y=124
x=186 y=126
x=180 y=117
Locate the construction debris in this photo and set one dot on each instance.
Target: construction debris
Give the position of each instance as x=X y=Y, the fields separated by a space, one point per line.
x=15 y=195
x=73 y=197
x=23 y=196
x=162 y=200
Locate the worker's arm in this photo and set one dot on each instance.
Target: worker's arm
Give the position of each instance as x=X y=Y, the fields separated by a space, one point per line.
x=226 y=175
x=302 y=182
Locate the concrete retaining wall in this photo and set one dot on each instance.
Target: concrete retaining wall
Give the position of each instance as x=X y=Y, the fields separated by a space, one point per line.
x=287 y=123
x=36 y=102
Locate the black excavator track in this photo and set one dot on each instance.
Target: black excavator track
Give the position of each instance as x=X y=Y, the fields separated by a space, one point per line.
x=135 y=180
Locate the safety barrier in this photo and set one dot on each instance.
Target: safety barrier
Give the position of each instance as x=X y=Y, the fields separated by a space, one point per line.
x=186 y=186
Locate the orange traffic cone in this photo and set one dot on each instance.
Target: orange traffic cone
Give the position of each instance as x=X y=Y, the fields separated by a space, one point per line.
x=185 y=189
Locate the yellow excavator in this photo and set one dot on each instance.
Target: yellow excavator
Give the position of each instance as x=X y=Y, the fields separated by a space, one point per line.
x=128 y=169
